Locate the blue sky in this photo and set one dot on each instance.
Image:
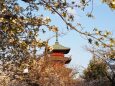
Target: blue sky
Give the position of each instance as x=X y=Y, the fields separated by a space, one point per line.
x=104 y=20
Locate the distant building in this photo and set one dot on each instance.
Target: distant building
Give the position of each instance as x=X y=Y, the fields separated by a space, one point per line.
x=57 y=57
x=56 y=61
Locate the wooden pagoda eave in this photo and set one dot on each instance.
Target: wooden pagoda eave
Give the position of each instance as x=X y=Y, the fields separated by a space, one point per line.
x=66 y=60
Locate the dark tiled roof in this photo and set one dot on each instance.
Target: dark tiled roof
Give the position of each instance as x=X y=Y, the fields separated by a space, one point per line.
x=58 y=47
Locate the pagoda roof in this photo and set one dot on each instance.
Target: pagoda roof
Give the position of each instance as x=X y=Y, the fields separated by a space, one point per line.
x=60 y=48
x=66 y=60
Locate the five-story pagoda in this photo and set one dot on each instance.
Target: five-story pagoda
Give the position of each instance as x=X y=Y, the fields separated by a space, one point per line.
x=55 y=69
x=57 y=57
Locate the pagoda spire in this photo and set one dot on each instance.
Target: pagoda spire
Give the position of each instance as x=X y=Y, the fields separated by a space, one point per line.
x=56 y=36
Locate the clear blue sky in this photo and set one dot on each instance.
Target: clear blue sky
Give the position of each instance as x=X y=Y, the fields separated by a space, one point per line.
x=104 y=19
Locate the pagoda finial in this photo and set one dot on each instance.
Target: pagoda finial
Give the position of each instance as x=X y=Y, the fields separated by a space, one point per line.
x=56 y=36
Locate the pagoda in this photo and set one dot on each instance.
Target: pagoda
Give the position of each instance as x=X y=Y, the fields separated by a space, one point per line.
x=55 y=69
x=57 y=57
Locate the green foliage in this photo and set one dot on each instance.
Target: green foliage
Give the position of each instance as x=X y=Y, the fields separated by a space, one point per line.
x=96 y=69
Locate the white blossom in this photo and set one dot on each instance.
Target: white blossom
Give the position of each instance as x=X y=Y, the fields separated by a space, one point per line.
x=25 y=70
x=71 y=11
x=1 y=19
